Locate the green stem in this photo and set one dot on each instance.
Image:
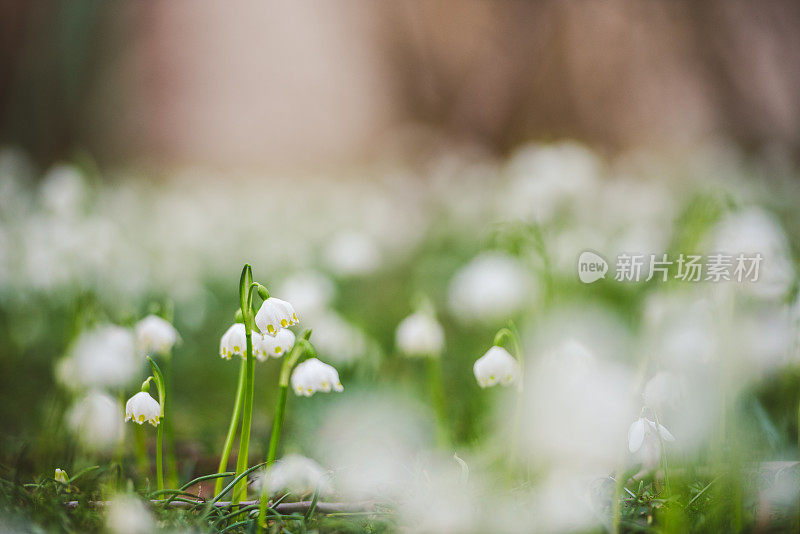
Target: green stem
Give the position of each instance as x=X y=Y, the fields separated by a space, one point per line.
x=172 y=463
x=247 y=417
x=162 y=397
x=235 y=416
x=289 y=362
x=159 y=457
x=277 y=423
x=142 y=461
x=436 y=385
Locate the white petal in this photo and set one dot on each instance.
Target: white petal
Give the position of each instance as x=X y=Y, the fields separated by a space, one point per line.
x=636 y=434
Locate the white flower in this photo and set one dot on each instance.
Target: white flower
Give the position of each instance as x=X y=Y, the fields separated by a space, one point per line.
x=102 y=357
x=755 y=231
x=312 y=375
x=295 y=474
x=275 y=314
x=497 y=366
x=490 y=288
x=61 y=476
x=275 y=346
x=419 y=334
x=310 y=292
x=340 y=340
x=95 y=421
x=643 y=429
x=129 y=515
x=665 y=389
x=62 y=189
x=155 y=334
x=234 y=341
x=142 y=407
x=352 y=254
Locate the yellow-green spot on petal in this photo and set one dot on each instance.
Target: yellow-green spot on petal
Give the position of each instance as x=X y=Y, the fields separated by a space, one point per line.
x=284 y=323
x=277 y=350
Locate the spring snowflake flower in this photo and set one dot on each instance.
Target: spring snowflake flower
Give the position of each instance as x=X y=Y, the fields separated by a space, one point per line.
x=644 y=429
x=142 y=407
x=275 y=314
x=95 y=422
x=310 y=291
x=102 y=357
x=154 y=334
x=275 y=346
x=352 y=254
x=295 y=474
x=129 y=515
x=497 y=366
x=234 y=341
x=61 y=476
x=489 y=288
x=420 y=334
x=312 y=375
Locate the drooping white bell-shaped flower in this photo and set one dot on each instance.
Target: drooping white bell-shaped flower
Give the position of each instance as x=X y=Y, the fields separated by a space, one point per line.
x=127 y=514
x=312 y=375
x=296 y=474
x=154 y=334
x=265 y=347
x=102 y=357
x=420 y=334
x=142 y=407
x=95 y=422
x=275 y=314
x=61 y=476
x=490 y=288
x=645 y=429
x=234 y=341
x=497 y=366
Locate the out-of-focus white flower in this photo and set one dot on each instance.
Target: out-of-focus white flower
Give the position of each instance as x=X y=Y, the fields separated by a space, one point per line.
x=62 y=189
x=545 y=179
x=372 y=441
x=420 y=334
x=95 y=421
x=491 y=287
x=643 y=429
x=352 y=254
x=129 y=515
x=61 y=476
x=155 y=334
x=310 y=292
x=234 y=341
x=265 y=347
x=755 y=231
x=102 y=357
x=341 y=341
x=497 y=366
x=312 y=375
x=295 y=474
x=142 y=407
x=665 y=389
x=275 y=314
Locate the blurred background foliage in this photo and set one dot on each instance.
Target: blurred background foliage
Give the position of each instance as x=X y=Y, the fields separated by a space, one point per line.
x=150 y=149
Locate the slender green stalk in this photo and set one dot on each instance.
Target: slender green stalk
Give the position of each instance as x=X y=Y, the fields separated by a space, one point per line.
x=162 y=394
x=436 y=384
x=169 y=430
x=159 y=456
x=511 y=335
x=140 y=441
x=289 y=362
x=235 y=416
x=277 y=423
x=247 y=418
